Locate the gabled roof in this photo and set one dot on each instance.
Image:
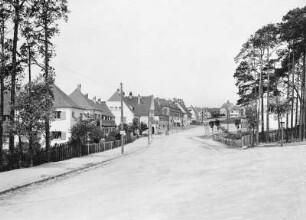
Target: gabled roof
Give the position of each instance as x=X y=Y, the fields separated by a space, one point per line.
x=81 y=99
x=105 y=110
x=61 y=100
x=115 y=97
x=141 y=105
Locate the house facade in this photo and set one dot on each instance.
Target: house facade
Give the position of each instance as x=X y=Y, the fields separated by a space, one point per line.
x=114 y=104
x=186 y=113
x=94 y=109
x=66 y=115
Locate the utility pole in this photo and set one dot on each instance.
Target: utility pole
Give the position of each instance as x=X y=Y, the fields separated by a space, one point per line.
x=149 y=128
x=121 y=130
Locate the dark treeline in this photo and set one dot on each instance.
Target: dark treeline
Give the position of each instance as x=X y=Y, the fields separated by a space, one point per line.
x=27 y=28
x=270 y=74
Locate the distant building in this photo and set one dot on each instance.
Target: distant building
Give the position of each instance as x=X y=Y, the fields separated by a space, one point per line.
x=228 y=109
x=186 y=113
x=94 y=109
x=134 y=107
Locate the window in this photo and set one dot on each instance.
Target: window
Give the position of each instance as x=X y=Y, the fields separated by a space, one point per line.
x=57 y=114
x=56 y=134
x=73 y=114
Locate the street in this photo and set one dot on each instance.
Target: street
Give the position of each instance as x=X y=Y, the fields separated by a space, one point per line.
x=180 y=176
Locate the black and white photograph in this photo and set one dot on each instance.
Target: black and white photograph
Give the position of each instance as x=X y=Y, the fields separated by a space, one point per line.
x=152 y=110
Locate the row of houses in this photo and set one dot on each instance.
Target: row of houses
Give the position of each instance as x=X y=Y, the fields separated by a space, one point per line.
x=228 y=109
x=162 y=114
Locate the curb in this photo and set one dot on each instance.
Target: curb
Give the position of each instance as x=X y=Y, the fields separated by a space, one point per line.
x=68 y=172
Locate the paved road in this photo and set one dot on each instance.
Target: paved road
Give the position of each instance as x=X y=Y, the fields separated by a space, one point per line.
x=181 y=176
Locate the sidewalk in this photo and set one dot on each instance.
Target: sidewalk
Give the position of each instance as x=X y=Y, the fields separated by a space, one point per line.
x=19 y=178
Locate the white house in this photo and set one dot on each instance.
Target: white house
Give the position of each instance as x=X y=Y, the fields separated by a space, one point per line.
x=94 y=109
x=114 y=104
x=66 y=115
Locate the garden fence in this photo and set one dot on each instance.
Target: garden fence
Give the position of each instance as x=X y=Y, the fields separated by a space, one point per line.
x=57 y=153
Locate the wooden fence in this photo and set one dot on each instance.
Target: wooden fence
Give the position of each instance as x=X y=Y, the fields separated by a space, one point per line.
x=57 y=153
x=233 y=143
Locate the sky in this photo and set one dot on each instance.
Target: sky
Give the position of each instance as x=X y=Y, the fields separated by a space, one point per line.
x=166 y=48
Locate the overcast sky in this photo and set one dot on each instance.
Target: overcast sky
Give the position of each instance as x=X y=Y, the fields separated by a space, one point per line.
x=168 y=48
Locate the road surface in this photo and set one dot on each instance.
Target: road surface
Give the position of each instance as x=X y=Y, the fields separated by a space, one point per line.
x=180 y=176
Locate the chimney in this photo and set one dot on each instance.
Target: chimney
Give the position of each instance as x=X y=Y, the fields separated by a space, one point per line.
x=99 y=100
x=79 y=87
x=138 y=99
x=86 y=95
x=130 y=95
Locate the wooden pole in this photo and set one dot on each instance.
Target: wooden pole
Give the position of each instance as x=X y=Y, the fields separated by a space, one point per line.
x=121 y=100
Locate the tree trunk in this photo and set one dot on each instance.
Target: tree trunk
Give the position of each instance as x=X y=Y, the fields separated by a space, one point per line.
x=31 y=151
x=292 y=94
x=302 y=103
x=304 y=91
x=1 y=93
x=46 y=61
x=287 y=114
x=268 y=97
x=261 y=98
x=14 y=73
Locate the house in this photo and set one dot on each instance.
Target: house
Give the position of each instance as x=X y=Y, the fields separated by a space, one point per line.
x=114 y=104
x=161 y=114
x=235 y=112
x=193 y=114
x=94 y=109
x=134 y=107
x=226 y=109
x=230 y=110
x=142 y=106
x=168 y=110
x=186 y=114
x=66 y=114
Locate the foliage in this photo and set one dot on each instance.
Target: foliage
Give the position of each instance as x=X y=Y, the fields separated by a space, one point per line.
x=135 y=125
x=252 y=117
x=217 y=123
x=33 y=104
x=237 y=122
x=143 y=127
x=113 y=135
x=211 y=124
x=272 y=64
x=86 y=130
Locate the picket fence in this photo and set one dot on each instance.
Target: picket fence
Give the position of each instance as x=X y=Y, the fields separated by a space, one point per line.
x=56 y=153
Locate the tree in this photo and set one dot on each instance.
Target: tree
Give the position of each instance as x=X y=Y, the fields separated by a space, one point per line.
x=17 y=8
x=33 y=106
x=217 y=123
x=212 y=124
x=293 y=31
x=4 y=16
x=253 y=122
x=47 y=14
x=237 y=122
x=84 y=131
x=143 y=127
x=135 y=126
